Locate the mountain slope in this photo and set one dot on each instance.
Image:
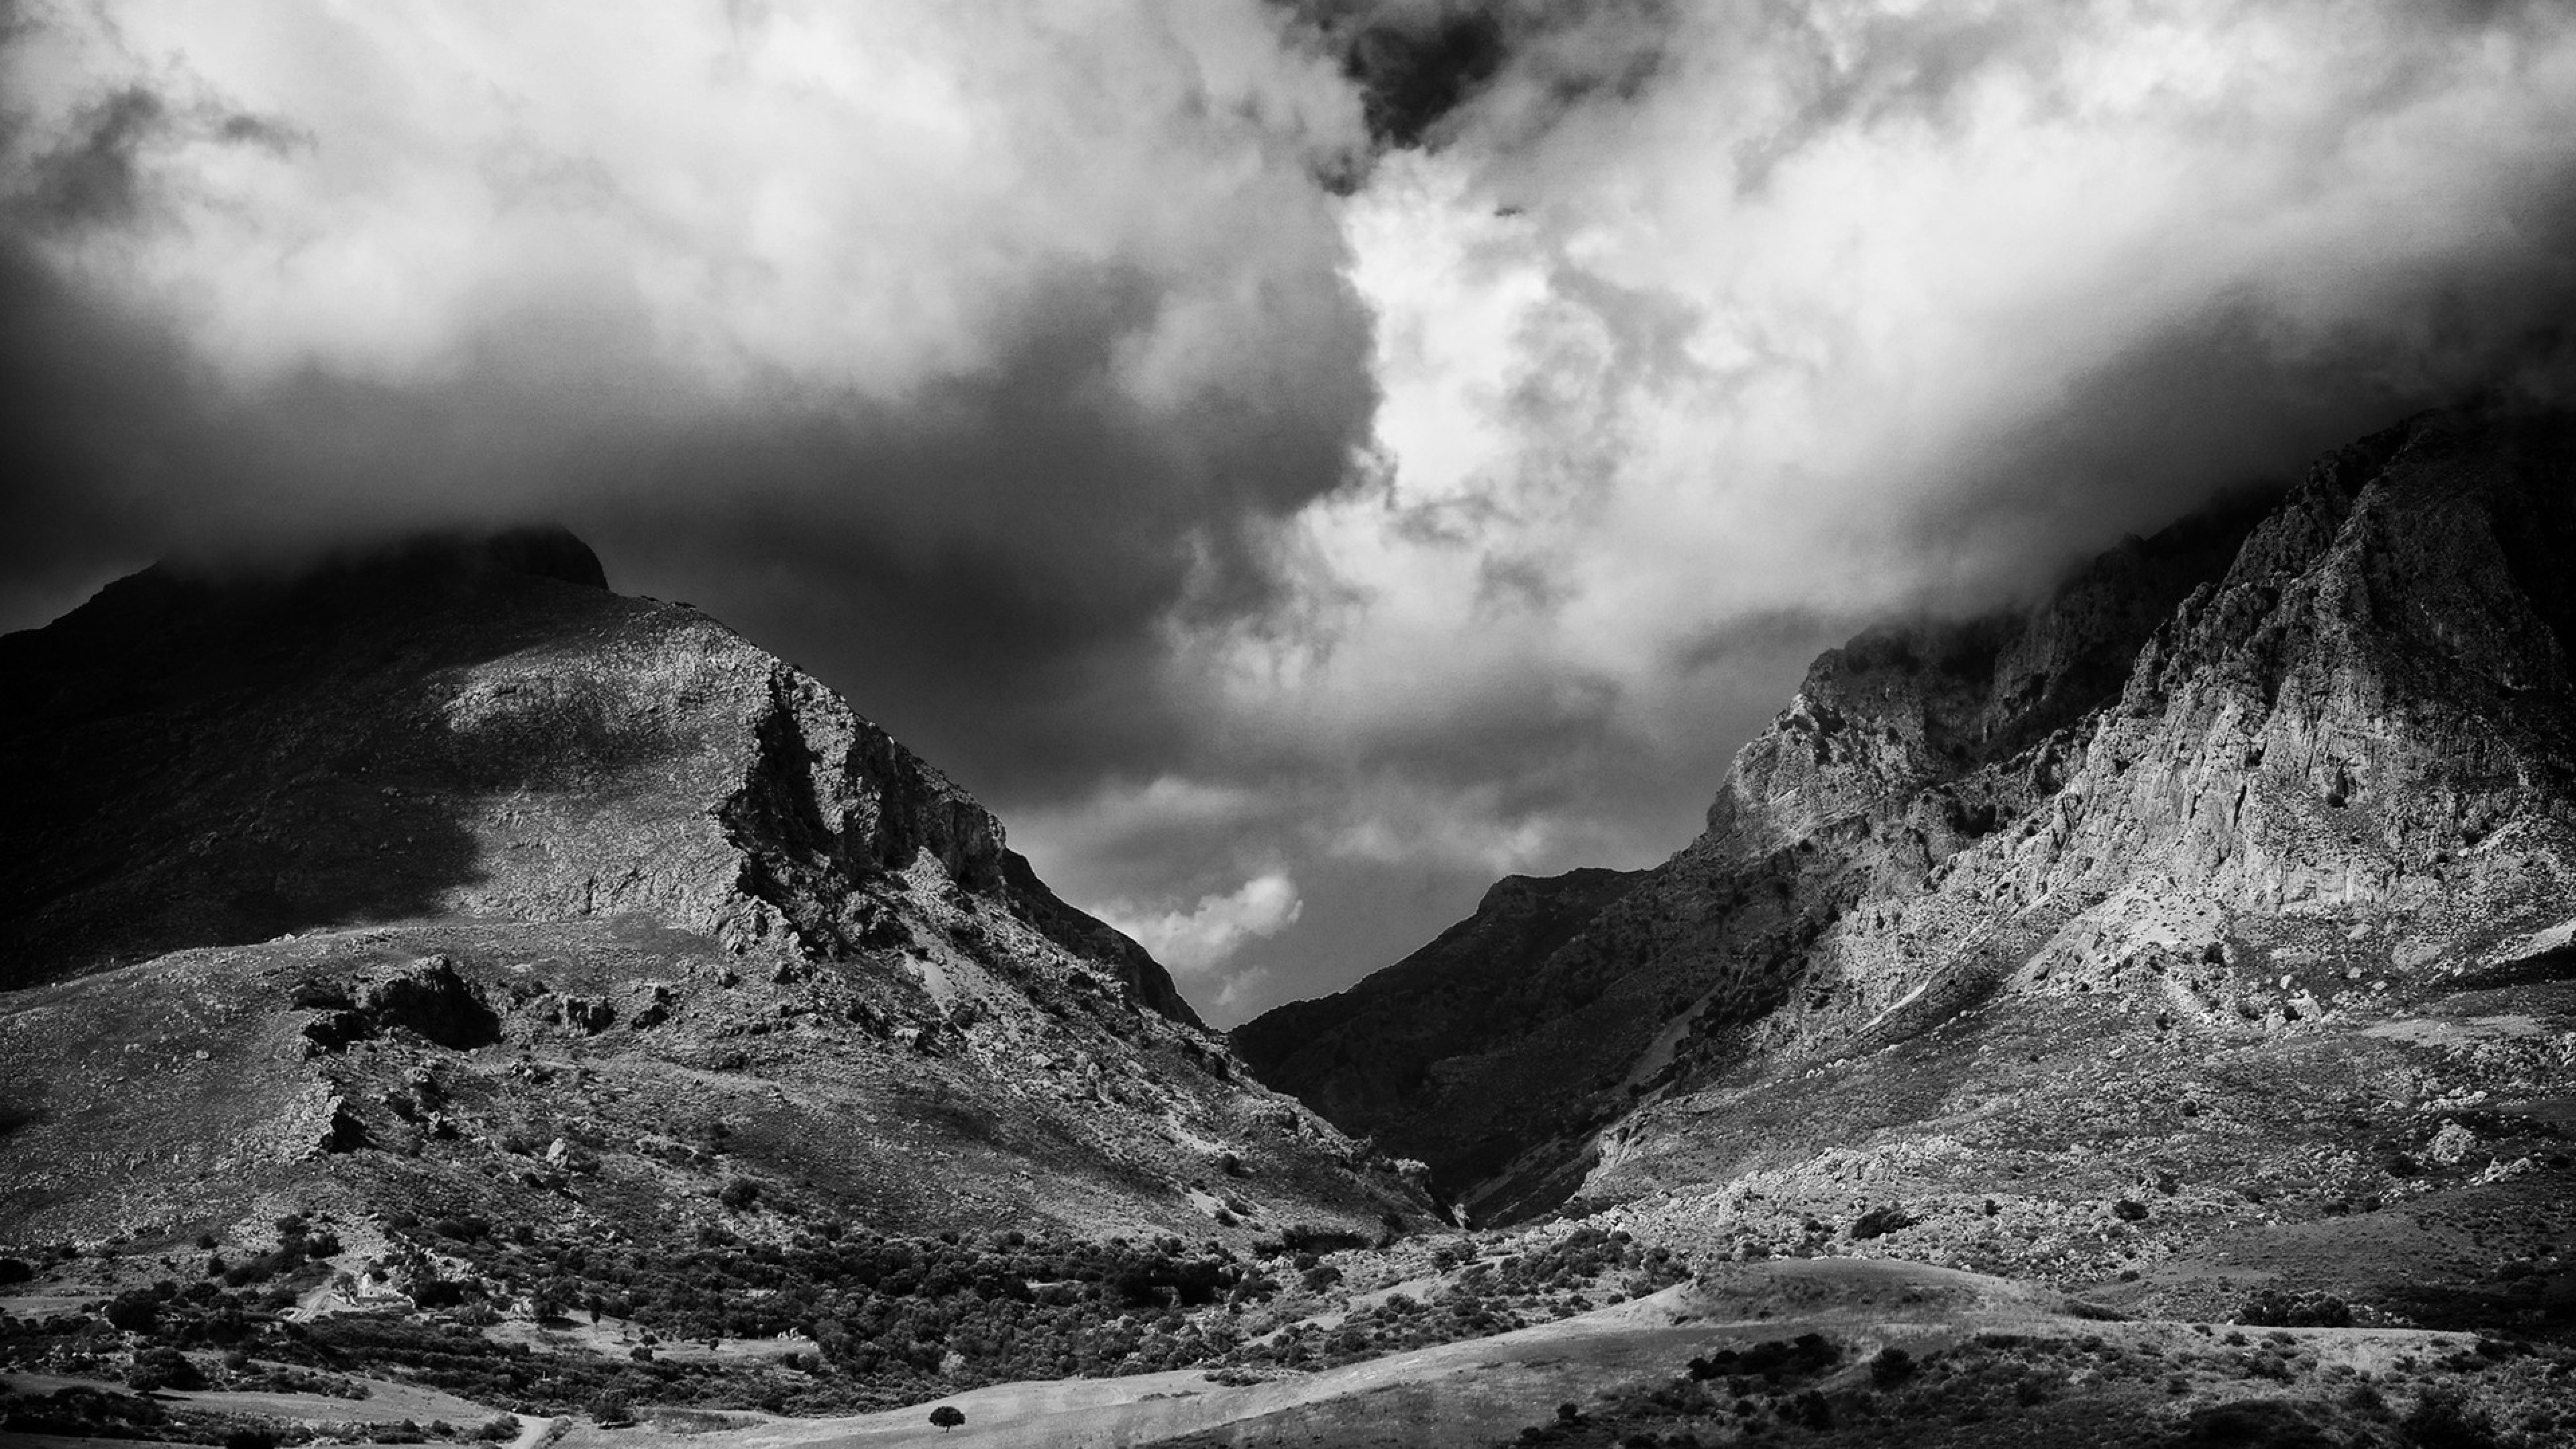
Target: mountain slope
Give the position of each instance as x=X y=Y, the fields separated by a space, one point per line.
x=357 y=886
x=1359 y=1056
x=2355 y=711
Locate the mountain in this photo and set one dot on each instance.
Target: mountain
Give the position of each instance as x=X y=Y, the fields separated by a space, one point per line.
x=2141 y=1018
x=2229 y=887
x=440 y=880
x=1361 y=1056
x=1859 y=788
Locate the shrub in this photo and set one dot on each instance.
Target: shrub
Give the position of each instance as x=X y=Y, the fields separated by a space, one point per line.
x=163 y=1368
x=2441 y=1419
x=1879 y=1222
x=609 y=1409
x=1891 y=1366
x=136 y=1310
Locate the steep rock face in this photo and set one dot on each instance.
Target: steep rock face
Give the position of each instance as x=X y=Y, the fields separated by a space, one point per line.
x=1905 y=707
x=2369 y=715
x=2357 y=706
x=403 y=818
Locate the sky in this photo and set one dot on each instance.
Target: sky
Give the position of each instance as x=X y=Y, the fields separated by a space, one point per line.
x=1296 y=462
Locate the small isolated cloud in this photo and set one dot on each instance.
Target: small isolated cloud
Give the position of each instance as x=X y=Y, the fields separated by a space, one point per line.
x=1198 y=939
x=1236 y=1000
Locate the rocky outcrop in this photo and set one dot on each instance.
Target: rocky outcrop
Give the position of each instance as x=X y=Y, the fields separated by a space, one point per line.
x=2353 y=704
x=1904 y=708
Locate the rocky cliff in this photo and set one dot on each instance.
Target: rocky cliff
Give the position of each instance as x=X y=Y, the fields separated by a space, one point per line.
x=2351 y=706
x=354 y=876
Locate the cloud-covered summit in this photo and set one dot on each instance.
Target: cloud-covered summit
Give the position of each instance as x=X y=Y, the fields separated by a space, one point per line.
x=1377 y=446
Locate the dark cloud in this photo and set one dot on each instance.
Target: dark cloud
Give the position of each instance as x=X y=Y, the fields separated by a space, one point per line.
x=984 y=567
x=973 y=529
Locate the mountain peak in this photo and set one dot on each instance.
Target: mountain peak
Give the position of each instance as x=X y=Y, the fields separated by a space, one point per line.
x=463 y=722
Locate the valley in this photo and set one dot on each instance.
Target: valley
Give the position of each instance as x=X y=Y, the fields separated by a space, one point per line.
x=452 y=1002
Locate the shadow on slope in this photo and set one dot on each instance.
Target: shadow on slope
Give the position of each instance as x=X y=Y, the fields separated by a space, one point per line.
x=196 y=762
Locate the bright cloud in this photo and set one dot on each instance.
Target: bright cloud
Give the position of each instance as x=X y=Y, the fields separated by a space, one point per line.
x=1208 y=934
x=1862 y=308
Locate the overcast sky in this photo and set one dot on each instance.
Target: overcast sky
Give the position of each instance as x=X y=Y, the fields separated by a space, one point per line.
x=1297 y=463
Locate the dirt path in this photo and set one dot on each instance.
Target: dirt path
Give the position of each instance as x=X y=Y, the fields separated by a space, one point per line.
x=1459 y=1393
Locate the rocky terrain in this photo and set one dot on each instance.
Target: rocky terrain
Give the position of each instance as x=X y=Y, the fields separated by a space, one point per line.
x=364 y=875
x=2233 y=982
x=450 y=1001
x=444 y=898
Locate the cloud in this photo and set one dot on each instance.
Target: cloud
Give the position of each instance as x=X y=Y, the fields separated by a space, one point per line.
x=989 y=332
x=1199 y=939
x=1852 y=308
x=1705 y=335
x=1366 y=446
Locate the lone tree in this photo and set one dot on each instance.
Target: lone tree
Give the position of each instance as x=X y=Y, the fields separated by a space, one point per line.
x=947 y=1417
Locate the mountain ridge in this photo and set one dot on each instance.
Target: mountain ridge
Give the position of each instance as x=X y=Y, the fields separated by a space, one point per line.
x=1933 y=813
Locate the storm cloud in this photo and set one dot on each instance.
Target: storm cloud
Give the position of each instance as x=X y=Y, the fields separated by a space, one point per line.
x=1296 y=462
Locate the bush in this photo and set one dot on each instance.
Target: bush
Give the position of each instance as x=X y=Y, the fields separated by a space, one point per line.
x=1892 y=1366
x=2441 y=1419
x=609 y=1409
x=163 y=1368
x=1879 y=1222
x=136 y=1310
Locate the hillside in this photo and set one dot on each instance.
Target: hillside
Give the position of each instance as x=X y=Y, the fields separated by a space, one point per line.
x=1361 y=1056
x=443 y=879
